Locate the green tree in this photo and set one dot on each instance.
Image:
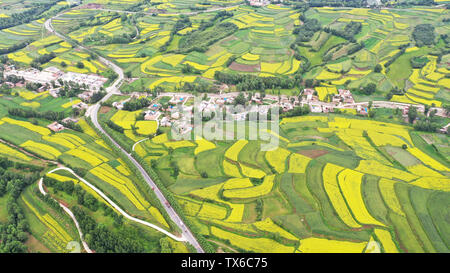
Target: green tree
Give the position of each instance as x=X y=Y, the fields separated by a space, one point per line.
x=412 y=114
x=378 y=68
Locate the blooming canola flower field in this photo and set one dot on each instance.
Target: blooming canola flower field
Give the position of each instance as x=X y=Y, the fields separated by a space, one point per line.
x=329 y=177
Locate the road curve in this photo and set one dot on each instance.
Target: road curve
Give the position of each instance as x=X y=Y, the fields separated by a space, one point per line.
x=117 y=207
x=93 y=113
x=68 y=211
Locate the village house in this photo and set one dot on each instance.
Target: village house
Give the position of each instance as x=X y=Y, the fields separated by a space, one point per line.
x=183 y=126
x=151 y=115
x=93 y=82
x=165 y=122
x=362 y=110
x=55 y=127
x=346 y=95
x=316 y=108
x=118 y=105
x=80 y=105
x=33 y=75
x=328 y=109
x=69 y=120
x=309 y=95
x=54 y=92
x=137 y=95
x=259 y=3
x=86 y=95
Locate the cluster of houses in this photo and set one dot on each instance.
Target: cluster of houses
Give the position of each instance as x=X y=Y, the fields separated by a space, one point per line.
x=259 y=3
x=178 y=108
x=338 y=100
x=52 y=74
x=57 y=127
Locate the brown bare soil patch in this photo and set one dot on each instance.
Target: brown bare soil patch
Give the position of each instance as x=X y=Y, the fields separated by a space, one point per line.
x=91 y=6
x=244 y=67
x=313 y=153
x=104 y=109
x=36 y=246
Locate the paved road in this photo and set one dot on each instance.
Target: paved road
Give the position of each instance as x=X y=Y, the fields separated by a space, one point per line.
x=382 y=104
x=93 y=113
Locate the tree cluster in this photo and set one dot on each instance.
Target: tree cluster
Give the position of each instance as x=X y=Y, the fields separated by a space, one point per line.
x=30 y=113
x=306 y=31
x=424 y=34
x=245 y=82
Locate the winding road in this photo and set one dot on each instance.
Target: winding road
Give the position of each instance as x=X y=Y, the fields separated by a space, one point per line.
x=68 y=211
x=114 y=205
x=92 y=112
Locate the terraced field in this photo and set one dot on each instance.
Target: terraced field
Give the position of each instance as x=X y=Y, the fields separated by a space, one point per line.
x=387 y=40
x=333 y=195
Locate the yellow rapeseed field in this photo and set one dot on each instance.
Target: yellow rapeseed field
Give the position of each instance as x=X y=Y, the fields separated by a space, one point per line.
x=210 y=192
x=303 y=119
x=88 y=155
x=41 y=149
x=203 y=145
x=106 y=173
x=70 y=103
x=230 y=169
x=270 y=67
x=237 y=183
x=321 y=245
x=428 y=160
x=209 y=210
x=332 y=189
x=162 y=138
x=298 y=163
x=189 y=207
x=422 y=170
x=376 y=168
x=252 y=192
x=251 y=172
x=146 y=127
x=87 y=128
x=268 y=225
x=385 y=238
x=125 y=118
x=178 y=144
x=434 y=183
x=387 y=190
x=277 y=158
x=250 y=57
x=8 y=151
x=237 y=212
x=28 y=125
x=49 y=222
x=233 y=152
x=259 y=245
x=326 y=75
x=158 y=216
x=174 y=59
x=350 y=185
